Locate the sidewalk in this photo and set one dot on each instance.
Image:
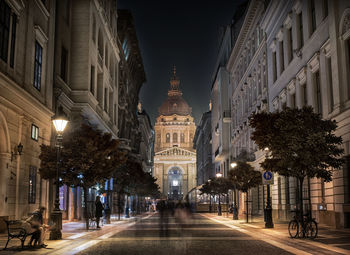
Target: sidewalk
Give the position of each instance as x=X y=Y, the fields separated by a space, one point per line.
x=336 y=240
x=74 y=234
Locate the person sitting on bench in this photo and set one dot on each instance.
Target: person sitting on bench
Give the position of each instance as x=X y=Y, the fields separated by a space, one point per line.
x=35 y=223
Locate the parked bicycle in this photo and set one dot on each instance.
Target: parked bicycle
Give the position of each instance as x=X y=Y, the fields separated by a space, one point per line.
x=305 y=226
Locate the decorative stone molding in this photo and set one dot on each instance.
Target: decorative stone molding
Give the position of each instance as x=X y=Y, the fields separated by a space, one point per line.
x=16 y=5
x=288 y=21
x=344 y=26
x=279 y=35
x=314 y=62
x=283 y=96
x=291 y=87
x=273 y=45
x=275 y=103
x=40 y=35
x=301 y=76
x=297 y=7
x=326 y=49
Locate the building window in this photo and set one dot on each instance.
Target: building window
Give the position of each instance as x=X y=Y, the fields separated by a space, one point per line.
x=13 y=40
x=175 y=138
x=293 y=100
x=105 y=100
x=64 y=62
x=301 y=30
x=318 y=105
x=5 y=12
x=35 y=132
x=279 y=187
x=281 y=56
x=38 y=65
x=167 y=138
x=32 y=185
x=182 y=137
x=325 y=8
x=290 y=33
x=287 y=190
x=305 y=94
x=313 y=15
x=330 y=84
x=126 y=49
x=92 y=80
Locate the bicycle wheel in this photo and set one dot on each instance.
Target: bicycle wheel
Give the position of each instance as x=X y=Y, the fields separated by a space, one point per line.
x=311 y=229
x=293 y=228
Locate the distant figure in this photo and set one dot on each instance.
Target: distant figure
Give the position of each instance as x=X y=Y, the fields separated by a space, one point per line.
x=98 y=211
x=163 y=219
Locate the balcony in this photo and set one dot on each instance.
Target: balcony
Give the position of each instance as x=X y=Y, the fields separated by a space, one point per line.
x=227 y=116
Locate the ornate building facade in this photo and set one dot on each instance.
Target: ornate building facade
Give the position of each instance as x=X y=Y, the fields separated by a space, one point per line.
x=26 y=103
x=290 y=54
x=175 y=158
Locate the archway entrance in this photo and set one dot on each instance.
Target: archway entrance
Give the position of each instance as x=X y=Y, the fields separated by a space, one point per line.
x=175 y=184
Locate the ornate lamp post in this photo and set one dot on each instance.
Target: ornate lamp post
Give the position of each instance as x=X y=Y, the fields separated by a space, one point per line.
x=219 y=175
x=268 y=209
x=60 y=121
x=235 y=209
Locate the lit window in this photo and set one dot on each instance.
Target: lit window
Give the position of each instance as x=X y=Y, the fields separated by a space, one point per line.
x=35 y=132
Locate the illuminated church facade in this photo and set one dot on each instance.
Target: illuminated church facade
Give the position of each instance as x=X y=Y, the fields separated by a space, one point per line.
x=175 y=157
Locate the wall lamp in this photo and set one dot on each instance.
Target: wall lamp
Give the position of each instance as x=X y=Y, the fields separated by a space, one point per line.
x=18 y=152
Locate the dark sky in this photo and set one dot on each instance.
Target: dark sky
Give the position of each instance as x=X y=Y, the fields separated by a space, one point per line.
x=183 y=33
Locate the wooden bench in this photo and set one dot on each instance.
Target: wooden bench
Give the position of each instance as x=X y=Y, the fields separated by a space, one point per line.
x=16 y=230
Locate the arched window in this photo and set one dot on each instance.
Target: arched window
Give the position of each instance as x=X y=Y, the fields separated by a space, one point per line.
x=167 y=138
x=182 y=138
x=175 y=138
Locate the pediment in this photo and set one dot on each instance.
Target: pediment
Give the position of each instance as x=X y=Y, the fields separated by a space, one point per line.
x=175 y=151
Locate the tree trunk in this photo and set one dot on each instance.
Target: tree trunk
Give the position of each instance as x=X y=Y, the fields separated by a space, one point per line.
x=301 y=180
x=86 y=216
x=119 y=205
x=246 y=201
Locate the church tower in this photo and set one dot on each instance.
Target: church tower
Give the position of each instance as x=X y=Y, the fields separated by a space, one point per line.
x=175 y=158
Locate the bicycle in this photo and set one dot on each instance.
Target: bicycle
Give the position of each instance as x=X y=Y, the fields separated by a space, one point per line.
x=306 y=226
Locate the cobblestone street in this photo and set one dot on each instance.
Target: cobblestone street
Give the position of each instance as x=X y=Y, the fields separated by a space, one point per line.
x=204 y=233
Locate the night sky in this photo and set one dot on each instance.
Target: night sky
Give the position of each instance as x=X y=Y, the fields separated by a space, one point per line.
x=184 y=33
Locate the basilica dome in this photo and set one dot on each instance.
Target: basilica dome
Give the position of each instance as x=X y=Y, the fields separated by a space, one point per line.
x=175 y=104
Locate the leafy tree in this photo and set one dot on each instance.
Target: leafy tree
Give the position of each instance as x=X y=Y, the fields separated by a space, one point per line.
x=88 y=157
x=244 y=177
x=217 y=186
x=300 y=142
x=130 y=179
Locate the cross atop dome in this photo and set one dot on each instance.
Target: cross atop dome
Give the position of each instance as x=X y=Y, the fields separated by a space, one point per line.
x=174 y=81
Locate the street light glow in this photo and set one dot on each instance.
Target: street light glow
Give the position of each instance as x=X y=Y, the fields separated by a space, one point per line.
x=218 y=175
x=233 y=164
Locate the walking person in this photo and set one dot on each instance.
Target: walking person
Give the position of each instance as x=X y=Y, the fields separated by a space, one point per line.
x=98 y=211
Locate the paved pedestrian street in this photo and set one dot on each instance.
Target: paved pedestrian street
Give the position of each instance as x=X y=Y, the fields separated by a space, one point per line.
x=202 y=234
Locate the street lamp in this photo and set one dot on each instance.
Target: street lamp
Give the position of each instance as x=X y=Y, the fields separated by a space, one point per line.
x=235 y=209
x=59 y=121
x=268 y=209
x=219 y=175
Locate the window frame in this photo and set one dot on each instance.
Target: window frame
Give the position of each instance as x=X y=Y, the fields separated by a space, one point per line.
x=38 y=58
x=34 y=129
